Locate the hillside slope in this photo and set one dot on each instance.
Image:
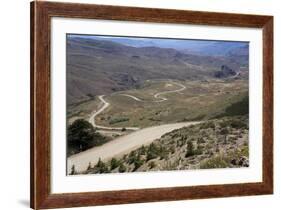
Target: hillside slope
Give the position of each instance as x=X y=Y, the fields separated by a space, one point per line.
x=96 y=67
x=219 y=143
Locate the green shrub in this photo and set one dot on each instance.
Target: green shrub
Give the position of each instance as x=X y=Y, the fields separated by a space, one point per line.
x=89 y=166
x=122 y=168
x=163 y=153
x=118 y=120
x=132 y=157
x=152 y=165
x=245 y=151
x=81 y=136
x=224 y=123
x=207 y=125
x=224 y=131
x=101 y=167
x=172 y=149
x=114 y=163
x=137 y=163
x=215 y=162
x=142 y=150
x=190 y=149
x=199 y=150
x=238 y=123
x=201 y=141
x=73 y=171
x=152 y=152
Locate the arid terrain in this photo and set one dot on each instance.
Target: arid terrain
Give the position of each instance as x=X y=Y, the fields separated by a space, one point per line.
x=150 y=108
x=213 y=144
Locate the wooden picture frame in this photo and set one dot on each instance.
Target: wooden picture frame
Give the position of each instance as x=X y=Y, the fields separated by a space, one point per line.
x=41 y=14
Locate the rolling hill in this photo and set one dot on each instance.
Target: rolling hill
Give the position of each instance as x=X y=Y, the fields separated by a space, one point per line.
x=96 y=67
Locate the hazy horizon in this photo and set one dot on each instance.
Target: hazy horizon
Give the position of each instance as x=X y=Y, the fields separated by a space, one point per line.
x=176 y=43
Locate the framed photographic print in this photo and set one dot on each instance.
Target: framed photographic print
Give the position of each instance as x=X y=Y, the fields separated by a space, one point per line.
x=141 y=105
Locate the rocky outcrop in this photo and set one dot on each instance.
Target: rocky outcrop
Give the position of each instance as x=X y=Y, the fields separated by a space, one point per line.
x=225 y=72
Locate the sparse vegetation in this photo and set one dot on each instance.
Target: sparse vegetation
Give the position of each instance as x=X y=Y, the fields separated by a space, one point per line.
x=175 y=109
x=215 y=162
x=101 y=167
x=137 y=163
x=151 y=164
x=114 y=163
x=189 y=149
x=213 y=144
x=122 y=168
x=237 y=157
x=209 y=86
x=73 y=171
x=237 y=108
x=118 y=120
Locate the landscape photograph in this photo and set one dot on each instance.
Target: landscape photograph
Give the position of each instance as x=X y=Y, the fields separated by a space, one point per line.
x=143 y=104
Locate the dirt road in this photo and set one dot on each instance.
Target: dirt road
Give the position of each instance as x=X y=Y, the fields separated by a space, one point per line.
x=121 y=145
x=92 y=119
x=159 y=96
x=162 y=98
x=105 y=104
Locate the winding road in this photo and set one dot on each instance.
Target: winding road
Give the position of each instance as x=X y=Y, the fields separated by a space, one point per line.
x=92 y=119
x=159 y=95
x=130 y=96
x=121 y=145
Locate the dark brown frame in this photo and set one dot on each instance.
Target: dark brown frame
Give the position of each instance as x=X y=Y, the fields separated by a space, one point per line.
x=41 y=14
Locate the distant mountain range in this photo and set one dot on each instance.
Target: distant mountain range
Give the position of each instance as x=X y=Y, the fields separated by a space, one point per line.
x=201 y=47
x=103 y=65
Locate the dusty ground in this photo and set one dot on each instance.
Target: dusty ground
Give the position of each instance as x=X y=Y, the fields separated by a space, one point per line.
x=121 y=145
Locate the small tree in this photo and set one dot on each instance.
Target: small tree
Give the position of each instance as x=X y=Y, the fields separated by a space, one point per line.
x=199 y=150
x=190 y=149
x=224 y=131
x=100 y=163
x=72 y=170
x=122 y=168
x=114 y=163
x=152 y=164
x=142 y=150
x=101 y=167
x=163 y=153
x=81 y=135
x=138 y=162
x=152 y=152
x=132 y=157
